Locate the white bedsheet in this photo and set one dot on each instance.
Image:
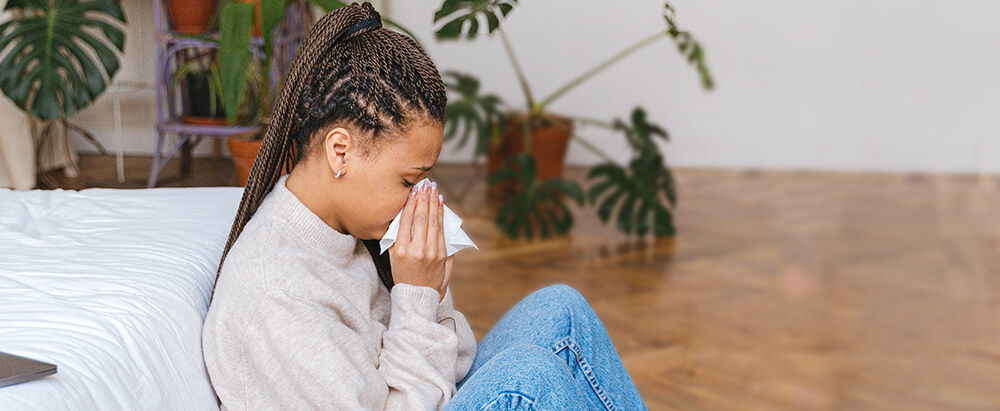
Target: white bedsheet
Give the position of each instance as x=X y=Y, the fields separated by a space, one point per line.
x=112 y=286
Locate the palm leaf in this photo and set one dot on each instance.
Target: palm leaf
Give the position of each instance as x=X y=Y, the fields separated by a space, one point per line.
x=47 y=66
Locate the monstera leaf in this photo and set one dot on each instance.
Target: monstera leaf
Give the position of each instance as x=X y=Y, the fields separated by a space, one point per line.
x=457 y=13
x=536 y=200
x=688 y=45
x=471 y=112
x=645 y=191
x=640 y=133
x=47 y=66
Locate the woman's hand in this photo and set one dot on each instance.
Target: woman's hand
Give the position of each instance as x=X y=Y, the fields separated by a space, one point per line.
x=422 y=260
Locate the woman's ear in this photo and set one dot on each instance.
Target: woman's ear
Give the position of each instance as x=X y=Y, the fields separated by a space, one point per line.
x=337 y=143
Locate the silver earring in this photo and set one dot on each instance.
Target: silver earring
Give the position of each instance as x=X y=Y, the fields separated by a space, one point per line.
x=338 y=173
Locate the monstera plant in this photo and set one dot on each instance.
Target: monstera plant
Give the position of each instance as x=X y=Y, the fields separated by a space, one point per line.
x=58 y=56
x=640 y=195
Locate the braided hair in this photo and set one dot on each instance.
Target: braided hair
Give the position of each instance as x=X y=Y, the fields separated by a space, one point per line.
x=349 y=72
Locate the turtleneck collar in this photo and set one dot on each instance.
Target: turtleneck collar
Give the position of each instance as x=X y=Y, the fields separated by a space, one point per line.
x=312 y=229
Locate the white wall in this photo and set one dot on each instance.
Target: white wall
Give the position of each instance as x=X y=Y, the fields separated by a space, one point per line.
x=848 y=85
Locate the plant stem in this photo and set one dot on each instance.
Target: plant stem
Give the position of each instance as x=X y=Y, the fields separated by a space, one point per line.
x=605 y=64
x=594 y=149
x=595 y=122
x=517 y=69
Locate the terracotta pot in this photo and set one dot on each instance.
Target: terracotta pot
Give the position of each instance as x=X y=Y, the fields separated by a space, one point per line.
x=204 y=121
x=190 y=16
x=244 y=152
x=550 y=135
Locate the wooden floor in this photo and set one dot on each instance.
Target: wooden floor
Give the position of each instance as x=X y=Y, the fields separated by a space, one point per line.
x=782 y=291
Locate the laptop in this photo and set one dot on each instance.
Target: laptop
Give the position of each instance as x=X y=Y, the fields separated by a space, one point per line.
x=15 y=370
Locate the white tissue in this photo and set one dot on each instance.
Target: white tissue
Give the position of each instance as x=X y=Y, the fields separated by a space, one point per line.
x=454 y=238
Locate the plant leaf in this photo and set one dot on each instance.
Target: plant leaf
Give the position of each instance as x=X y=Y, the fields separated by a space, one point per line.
x=50 y=71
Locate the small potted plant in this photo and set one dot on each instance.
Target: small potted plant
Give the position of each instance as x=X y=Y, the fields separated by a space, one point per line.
x=201 y=81
x=526 y=147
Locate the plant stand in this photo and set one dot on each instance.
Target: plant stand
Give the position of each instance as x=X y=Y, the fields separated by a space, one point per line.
x=170 y=54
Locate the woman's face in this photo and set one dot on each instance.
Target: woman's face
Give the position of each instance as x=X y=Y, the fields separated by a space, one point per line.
x=377 y=187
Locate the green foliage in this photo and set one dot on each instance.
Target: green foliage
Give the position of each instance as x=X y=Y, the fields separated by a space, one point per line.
x=472 y=112
x=47 y=69
x=253 y=93
x=640 y=133
x=688 y=45
x=537 y=203
x=645 y=191
x=456 y=13
x=234 y=54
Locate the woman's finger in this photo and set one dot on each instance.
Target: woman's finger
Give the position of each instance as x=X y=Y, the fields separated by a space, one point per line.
x=420 y=219
x=406 y=220
x=434 y=222
x=442 y=248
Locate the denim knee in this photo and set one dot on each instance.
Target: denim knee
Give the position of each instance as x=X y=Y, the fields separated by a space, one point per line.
x=535 y=362
x=561 y=294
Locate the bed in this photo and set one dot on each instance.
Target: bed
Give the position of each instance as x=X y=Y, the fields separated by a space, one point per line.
x=112 y=286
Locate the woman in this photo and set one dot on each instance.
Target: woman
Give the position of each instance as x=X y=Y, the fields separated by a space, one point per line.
x=300 y=316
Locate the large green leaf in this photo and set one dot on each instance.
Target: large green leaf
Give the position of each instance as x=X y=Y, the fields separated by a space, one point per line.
x=643 y=192
x=463 y=16
x=537 y=205
x=47 y=65
x=236 y=20
x=471 y=112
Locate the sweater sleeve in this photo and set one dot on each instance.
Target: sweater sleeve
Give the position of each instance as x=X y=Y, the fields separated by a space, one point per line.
x=419 y=358
x=456 y=321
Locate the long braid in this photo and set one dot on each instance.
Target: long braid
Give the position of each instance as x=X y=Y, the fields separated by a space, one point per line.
x=372 y=78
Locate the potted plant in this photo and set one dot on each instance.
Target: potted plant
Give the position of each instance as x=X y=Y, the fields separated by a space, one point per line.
x=526 y=147
x=200 y=76
x=56 y=58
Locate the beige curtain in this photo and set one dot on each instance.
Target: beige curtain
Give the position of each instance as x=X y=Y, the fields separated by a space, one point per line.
x=17 y=155
x=19 y=135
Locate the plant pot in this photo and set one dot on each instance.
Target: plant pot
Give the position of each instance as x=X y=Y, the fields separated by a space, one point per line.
x=550 y=135
x=204 y=121
x=244 y=152
x=199 y=107
x=190 y=16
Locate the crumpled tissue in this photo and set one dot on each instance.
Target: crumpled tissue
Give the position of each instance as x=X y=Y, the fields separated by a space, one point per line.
x=455 y=238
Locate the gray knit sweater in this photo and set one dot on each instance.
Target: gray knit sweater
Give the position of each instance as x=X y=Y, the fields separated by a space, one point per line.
x=301 y=321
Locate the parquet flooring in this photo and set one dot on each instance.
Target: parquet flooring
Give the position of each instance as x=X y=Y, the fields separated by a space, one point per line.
x=784 y=290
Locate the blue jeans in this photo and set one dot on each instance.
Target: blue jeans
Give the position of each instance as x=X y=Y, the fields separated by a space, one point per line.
x=550 y=352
